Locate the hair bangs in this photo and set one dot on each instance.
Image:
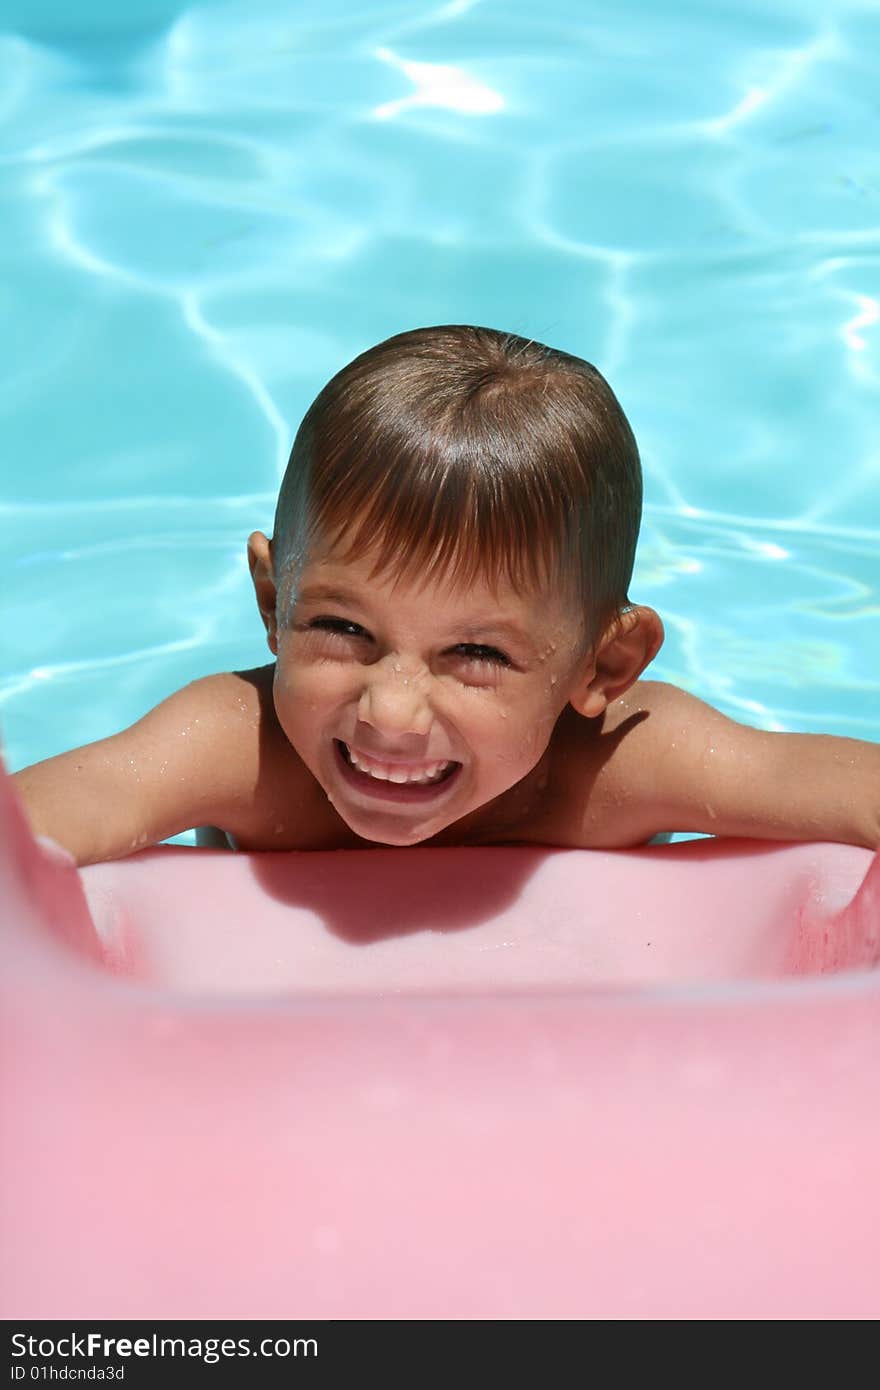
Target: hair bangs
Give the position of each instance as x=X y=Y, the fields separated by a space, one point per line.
x=425 y=521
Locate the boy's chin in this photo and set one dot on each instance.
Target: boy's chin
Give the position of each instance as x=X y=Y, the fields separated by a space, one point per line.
x=391 y=837
x=396 y=840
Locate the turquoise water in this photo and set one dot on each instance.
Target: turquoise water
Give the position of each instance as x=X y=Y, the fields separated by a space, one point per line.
x=206 y=210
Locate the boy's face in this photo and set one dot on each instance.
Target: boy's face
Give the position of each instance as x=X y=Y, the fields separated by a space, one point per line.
x=410 y=676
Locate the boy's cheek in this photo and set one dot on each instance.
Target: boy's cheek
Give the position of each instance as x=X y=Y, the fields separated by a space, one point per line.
x=301 y=695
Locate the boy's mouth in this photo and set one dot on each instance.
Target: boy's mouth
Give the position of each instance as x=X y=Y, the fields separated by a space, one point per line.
x=379 y=783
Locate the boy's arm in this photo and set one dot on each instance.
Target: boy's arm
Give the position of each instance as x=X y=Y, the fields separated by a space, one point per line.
x=189 y=760
x=683 y=765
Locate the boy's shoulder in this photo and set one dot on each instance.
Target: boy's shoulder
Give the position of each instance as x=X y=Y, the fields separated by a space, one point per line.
x=270 y=800
x=224 y=710
x=219 y=737
x=225 y=694
x=261 y=774
x=210 y=736
x=660 y=759
x=612 y=776
x=198 y=757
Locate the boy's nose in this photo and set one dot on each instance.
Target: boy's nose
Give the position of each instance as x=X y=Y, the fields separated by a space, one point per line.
x=395 y=698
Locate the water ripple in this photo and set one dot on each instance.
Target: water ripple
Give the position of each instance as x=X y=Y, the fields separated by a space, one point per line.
x=207 y=210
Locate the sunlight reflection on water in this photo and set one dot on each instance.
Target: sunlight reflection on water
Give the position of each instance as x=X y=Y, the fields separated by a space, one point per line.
x=208 y=210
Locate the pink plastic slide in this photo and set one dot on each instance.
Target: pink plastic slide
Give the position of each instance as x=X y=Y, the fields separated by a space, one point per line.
x=440 y=1083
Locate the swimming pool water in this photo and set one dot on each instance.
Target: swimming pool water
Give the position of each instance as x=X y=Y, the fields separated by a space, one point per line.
x=206 y=210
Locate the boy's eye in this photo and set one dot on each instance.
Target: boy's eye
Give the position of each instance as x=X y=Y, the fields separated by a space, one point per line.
x=485 y=653
x=478 y=652
x=333 y=624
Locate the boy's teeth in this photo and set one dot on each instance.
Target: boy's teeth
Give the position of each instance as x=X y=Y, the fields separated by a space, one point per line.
x=384 y=772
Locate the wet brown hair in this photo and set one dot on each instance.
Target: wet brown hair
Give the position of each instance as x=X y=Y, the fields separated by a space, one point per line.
x=464 y=452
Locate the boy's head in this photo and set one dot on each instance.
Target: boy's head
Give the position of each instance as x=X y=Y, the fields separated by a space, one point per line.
x=461 y=451
x=453 y=543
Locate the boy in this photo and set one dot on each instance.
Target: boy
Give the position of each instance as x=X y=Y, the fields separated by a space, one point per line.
x=456 y=658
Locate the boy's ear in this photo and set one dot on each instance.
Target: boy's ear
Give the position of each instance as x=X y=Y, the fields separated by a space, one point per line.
x=263 y=575
x=628 y=645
